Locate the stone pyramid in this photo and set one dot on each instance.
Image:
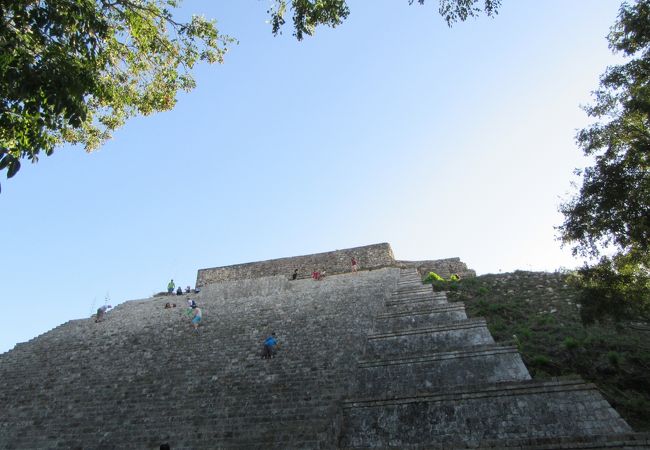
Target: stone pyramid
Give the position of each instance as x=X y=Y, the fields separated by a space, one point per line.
x=372 y=359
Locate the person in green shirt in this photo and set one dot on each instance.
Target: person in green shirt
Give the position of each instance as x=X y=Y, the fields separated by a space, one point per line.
x=171 y=286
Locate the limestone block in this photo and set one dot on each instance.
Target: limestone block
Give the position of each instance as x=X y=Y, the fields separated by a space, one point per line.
x=384 y=378
x=461 y=418
x=410 y=320
x=453 y=336
x=339 y=261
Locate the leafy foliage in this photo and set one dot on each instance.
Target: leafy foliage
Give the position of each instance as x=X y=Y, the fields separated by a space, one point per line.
x=307 y=14
x=431 y=277
x=75 y=70
x=439 y=284
x=538 y=312
x=460 y=10
x=616 y=287
x=612 y=208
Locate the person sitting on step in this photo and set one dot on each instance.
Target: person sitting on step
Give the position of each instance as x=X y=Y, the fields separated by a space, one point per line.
x=317 y=275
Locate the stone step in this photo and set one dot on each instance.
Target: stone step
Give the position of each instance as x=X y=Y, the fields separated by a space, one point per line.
x=407 y=298
x=411 y=278
x=404 y=376
x=410 y=281
x=458 y=418
x=411 y=285
x=408 y=271
x=137 y=430
x=408 y=320
x=415 y=305
x=412 y=291
x=392 y=306
x=448 y=337
x=617 y=441
x=413 y=288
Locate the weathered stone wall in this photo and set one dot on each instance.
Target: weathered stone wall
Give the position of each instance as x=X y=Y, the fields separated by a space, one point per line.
x=443 y=267
x=465 y=417
x=368 y=257
x=424 y=377
x=468 y=333
x=143 y=377
x=431 y=372
x=432 y=378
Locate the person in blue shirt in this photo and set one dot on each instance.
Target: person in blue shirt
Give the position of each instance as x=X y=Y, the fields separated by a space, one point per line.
x=270 y=345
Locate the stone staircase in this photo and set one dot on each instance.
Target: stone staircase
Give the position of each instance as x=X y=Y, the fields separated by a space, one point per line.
x=432 y=378
x=429 y=377
x=143 y=377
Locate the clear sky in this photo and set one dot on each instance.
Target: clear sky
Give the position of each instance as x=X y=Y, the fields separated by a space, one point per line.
x=390 y=128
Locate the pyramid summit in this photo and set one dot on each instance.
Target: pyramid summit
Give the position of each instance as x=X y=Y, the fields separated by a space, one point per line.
x=366 y=359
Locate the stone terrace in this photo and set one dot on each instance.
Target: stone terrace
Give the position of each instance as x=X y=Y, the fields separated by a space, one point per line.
x=368 y=360
x=143 y=377
x=432 y=378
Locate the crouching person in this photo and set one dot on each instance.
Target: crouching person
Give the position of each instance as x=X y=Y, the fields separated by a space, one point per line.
x=270 y=347
x=101 y=312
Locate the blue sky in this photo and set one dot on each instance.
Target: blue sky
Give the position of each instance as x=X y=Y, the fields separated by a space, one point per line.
x=390 y=128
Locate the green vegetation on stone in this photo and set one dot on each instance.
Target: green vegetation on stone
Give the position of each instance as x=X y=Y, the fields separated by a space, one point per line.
x=431 y=277
x=440 y=284
x=540 y=314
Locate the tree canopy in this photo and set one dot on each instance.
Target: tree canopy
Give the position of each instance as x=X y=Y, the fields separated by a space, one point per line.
x=73 y=71
x=308 y=14
x=610 y=216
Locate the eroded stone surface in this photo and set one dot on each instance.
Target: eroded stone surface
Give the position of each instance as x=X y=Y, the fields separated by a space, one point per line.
x=143 y=377
x=424 y=377
x=431 y=378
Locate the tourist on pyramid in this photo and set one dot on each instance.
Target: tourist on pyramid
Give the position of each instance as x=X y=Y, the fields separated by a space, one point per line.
x=295 y=274
x=101 y=311
x=354 y=265
x=179 y=291
x=270 y=345
x=197 y=316
x=171 y=286
x=187 y=290
x=190 y=311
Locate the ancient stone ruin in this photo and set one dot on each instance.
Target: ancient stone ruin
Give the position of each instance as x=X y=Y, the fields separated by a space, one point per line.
x=373 y=359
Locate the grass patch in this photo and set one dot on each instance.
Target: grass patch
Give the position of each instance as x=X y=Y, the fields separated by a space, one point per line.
x=538 y=313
